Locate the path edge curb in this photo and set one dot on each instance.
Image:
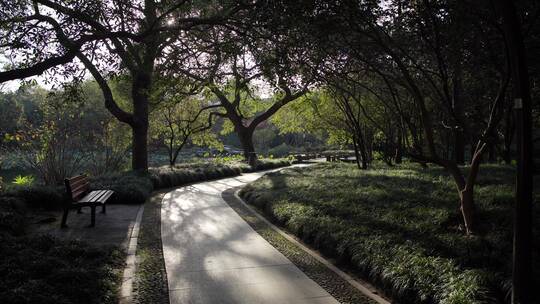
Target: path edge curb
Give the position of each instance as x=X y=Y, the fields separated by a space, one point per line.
x=355 y=283
x=126 y=289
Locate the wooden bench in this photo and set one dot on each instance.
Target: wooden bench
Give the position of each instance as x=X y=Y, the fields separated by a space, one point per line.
x=78 y=190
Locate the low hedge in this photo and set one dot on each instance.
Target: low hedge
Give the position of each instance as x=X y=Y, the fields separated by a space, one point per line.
x=400 y=227
x=167 y=177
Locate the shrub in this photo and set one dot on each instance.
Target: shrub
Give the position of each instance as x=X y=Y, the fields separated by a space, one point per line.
x=166 y=177
x=45 y=197
x=129 y=187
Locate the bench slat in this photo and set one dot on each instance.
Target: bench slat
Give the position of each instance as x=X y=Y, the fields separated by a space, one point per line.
x=76 y=178
x=79 y=183
x=90 y=196
x=76 y=195
x=82 y=187
x=98 y=198
x=106 y=196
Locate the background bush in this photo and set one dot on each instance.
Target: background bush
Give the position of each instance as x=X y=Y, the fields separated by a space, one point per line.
x=129 y=187
x=401 y=227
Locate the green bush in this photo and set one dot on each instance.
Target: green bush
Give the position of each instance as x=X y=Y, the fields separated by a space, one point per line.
x=43 y=269
x=400 y=227
x=129 y=187
x=35 y=196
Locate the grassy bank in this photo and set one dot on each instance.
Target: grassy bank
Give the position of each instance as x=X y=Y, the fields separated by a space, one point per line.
x=400 y=227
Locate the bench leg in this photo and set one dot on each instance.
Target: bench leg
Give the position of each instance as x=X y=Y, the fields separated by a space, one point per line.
x=103 y=209
x=64 y=218
x=93 y=216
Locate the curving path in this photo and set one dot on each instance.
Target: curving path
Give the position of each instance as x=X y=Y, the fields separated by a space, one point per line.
x=213 y=256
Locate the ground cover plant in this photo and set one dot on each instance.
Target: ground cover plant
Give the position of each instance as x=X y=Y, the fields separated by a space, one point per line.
x=43 y=269
x=400 y=227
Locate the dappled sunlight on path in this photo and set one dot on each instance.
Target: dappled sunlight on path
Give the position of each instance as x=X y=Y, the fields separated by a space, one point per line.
x=213 y=256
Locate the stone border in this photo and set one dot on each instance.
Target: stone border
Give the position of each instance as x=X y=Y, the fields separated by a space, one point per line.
x=126 y=290
x=363 y=287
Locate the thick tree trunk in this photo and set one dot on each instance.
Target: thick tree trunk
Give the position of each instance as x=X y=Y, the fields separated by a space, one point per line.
x=140 y=90
x=139 y=157
x=522 y=278
x=246 y=139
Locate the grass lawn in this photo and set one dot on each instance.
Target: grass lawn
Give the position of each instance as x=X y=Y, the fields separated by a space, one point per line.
x=401 y=227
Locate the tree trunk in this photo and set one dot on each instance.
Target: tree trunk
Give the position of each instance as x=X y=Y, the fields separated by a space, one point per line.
x=362 y=147
x=246 y=139
x=139 y=158
x=399 y=149
x=356 y=153
x=140 y=90
x=466 y=196
x=492 y=153
x=459 y=146
x=467 y=208
x=522 y=287
x=509 y=129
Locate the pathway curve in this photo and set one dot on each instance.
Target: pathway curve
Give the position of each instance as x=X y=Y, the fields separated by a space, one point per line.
x=213 y=256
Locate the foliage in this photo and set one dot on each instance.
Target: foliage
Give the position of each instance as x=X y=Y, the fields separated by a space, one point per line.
x=181 y=121
x=129 y=187
x=38 y=196
x=398 y=227
x=42 y=269
x=21 y=180
x=12 y=215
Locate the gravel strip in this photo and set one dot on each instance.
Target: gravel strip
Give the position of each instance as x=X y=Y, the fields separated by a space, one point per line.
x=150 y=284
x=327 y=279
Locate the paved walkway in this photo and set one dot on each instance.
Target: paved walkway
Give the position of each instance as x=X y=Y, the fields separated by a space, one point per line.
x=213 y=256
x=112 y=228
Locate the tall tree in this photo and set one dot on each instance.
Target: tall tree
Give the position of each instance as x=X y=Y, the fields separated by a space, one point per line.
x=108 y=39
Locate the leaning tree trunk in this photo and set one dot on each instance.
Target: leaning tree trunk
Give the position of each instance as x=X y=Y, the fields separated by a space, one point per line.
x=466 y=196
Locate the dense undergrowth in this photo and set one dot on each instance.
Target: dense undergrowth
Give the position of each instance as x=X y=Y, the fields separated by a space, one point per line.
x=400 y=227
